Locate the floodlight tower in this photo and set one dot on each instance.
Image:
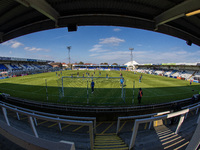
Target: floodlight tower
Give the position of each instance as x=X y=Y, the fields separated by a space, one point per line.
x=131 y=49
x=69 y=47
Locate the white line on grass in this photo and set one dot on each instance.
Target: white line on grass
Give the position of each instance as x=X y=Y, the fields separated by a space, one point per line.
x=37 y=90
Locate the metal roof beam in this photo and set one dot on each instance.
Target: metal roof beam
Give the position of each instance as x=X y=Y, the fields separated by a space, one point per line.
x=177 y=11
x=43 y=7
x=1 y=37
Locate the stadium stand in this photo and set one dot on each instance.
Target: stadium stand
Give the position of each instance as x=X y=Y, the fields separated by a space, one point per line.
x=176 y=74
x=167 y=73
x=30 y=142
x=10 y=66
x=158 y=72
x=3 y=68
x=16 y=118
x=99 y=67
x=187 y=74
x=179 y=74
x=156 y=16
x=196 y=77
x=84 y=140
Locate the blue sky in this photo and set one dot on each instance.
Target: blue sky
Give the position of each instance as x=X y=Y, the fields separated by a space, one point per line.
x=97 y=44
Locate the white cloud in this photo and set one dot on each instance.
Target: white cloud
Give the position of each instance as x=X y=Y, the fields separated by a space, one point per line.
x=13 y=44
x=114 y=41
x=139 y=45
x=92 y=55
x=10 y=52
x=34 y=49
x=116 y=29
x=114 y=56
x=149 y=56
x=167 y=57
x=97 y=48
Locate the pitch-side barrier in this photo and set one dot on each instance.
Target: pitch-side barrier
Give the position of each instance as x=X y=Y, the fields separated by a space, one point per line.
x=181 y=113
x=47 y=118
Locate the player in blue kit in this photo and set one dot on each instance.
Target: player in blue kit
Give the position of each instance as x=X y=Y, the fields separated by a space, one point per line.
x=92 y=86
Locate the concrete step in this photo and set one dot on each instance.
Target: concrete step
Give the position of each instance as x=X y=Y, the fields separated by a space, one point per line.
x=109 y=141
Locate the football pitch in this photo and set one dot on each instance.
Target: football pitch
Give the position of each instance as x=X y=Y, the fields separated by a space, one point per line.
x=47 y=87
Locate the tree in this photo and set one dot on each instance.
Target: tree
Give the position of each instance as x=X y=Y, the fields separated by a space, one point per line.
x=81 y=63
x=115 y=64
x=105 y=63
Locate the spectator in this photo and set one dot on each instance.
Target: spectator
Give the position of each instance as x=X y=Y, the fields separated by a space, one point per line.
x=140 y=94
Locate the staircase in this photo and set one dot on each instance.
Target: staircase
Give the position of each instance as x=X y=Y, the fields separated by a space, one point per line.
x=109 y=141
x=192 y=74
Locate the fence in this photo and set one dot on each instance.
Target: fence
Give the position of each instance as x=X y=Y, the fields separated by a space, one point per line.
x=181 y=113
x=31 y=117
x=30 y=142
x=137 y=117
x=53 y=115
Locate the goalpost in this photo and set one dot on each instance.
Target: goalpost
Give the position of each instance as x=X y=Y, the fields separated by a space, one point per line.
x=78 y=89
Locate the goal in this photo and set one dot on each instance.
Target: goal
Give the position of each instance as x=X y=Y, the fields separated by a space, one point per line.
x=107 y=90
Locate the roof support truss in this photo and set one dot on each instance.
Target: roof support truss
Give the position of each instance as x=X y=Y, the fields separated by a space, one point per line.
x=1 y=37
x=43 y=7
x=177 y=11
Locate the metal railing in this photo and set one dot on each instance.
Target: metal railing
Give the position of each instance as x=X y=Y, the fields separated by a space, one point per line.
x=137 y=117
x=47 y=118
x=31 y=142
x=181 y=113
x=125 y=109
x=52 y=115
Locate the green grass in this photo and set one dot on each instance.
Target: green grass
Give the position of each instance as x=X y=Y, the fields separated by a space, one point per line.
x=156 y=89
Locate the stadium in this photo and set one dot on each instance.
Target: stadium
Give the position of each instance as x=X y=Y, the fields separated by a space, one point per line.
x=97 y=106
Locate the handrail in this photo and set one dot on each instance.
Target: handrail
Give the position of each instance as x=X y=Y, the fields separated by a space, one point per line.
x=193 y=108
x=65 y=121
x=137 y=117
x=55 y=115
x=31 y=142
x=188 y=106
x=181 y=113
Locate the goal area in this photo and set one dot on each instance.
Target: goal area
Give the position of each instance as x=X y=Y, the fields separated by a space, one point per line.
x=107 y=90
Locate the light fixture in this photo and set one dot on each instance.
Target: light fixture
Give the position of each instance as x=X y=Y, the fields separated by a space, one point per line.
x=193 y=13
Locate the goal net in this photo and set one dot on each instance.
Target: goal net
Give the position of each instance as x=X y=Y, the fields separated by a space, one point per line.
x=107 y=90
